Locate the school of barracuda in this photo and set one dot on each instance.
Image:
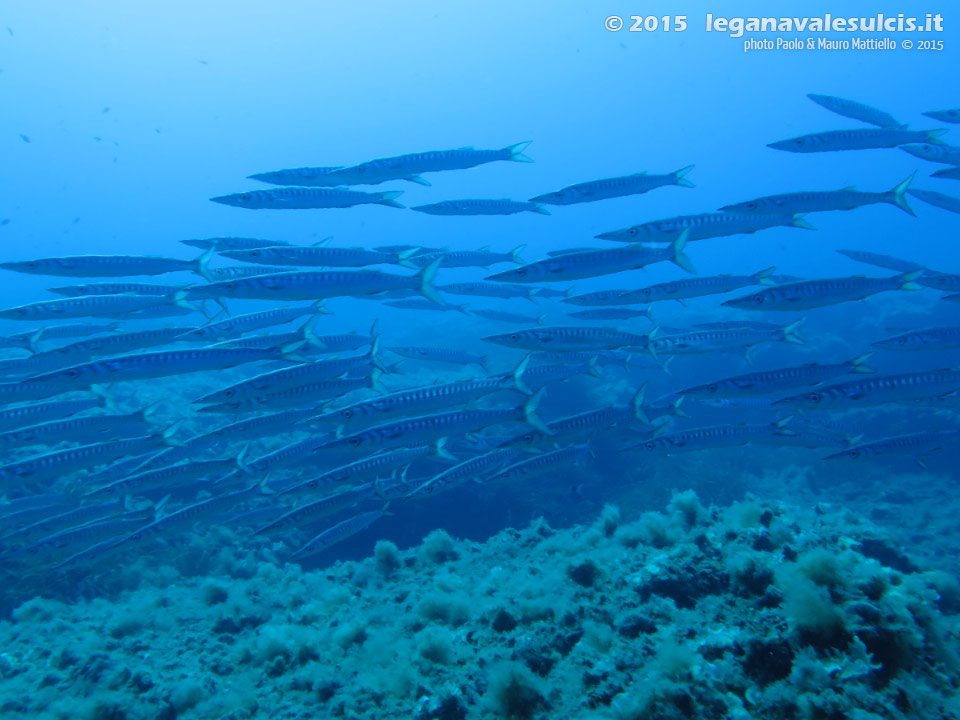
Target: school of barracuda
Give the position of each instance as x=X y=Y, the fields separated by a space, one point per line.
x=89 y=476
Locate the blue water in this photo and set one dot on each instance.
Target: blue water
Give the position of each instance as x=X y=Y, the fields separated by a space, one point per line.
x=120 y=120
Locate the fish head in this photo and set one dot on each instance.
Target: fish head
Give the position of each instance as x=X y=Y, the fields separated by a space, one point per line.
x=797 y=144
x=811 y=399
x=924 y=151
x=848 y=454
x=513 y=339
x=237 y=199
x=517 y=274
x=895 y=343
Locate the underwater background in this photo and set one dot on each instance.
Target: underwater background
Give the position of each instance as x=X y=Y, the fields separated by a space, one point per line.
x=748 y=579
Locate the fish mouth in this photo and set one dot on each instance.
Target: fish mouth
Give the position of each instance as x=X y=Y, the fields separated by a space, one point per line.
x=539 y=198
x=609 y=235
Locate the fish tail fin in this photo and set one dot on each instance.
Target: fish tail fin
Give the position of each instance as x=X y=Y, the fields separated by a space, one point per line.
x=484 y=362
x=637 y=404
x=307 y=329
x=860 y=364
x=517 y=376
x=540 y=319
x=898 y=195
x=680 y=258
x=592 y=368
x=515 y=254
x=403 y=258
x=790 y=333
x=933 y=136
x=799 y=221
x=374 y=354
x=651 y=347
x=203 y=261
x=418 y=180
x=538 y=208
x=679 y=179
x=675 y=406
x=34 y=339
x=515 y=152
x=375 y=384
x=320 y=308
x=463 y=309
x=530 y=413
x=427 y=288
x=532 y=295
x=389 y=197
x=907 y=280
x=241 y=460
x=440 y=450
x=145 y=413
x=167 y=435
x=763 y=277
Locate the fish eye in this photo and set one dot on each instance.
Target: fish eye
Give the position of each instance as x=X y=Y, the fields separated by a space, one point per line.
x=758 y=299
x=245 y=197
x=800 y=141
x=650 y=446
x=521 y=271
x=347 y=413
x=712 y=388
x=515 y=337
x=356 y=441
x=752 y=205
x=853 y=453
x=813 y=397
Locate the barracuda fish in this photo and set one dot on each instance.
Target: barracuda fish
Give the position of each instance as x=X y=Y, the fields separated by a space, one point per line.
x=884 y=261
x=540 y=464
x=432 y=428
x=239 y=324
x=947 y=282
x=468 y=258
x=444 y=355
x=820 y=293
x=703 y=226
x=939 y=338
x=856 y=110
x=313 y=198
x=61 y=520
x=370 y=468
x=298 y=374
x=219 y=244
x=299 y=394
x=594 y=190
x=416 y=249
x=108 y=265
x=418 y=401
x=950 y=174
x=315 y=285
x=737 y=324
x=771 y=381
x=611 y=313
x=235 y=273
x=121 y=288
x=184 y=517
x=473 y=469
x=319 y=256
x=877 y=390
x=495 y=290
x=480 y=207
x=826 y=200
x=424 y=304
x=675 y=290
x=935 y=152
x=705 y=438
x=302 y=176
x=27 y=415
x=116 y=344
x=339 y=532
x=507 y=317
x=401 y=167
x=542 y=375
x=569 y=338
x=52 y=465
x=706 y=341
x=163 y=363
x=584 y=425
x=54 y=548
x=917 y=445
x=83 y=429
x=85 y=306
x=938 y=199
x=342 y=499
x=27 y=390
x=595 y=263
x=167 y=478
x=866 y=139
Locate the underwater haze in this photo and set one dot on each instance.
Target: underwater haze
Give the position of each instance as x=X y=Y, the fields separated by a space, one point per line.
x=463 y=361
